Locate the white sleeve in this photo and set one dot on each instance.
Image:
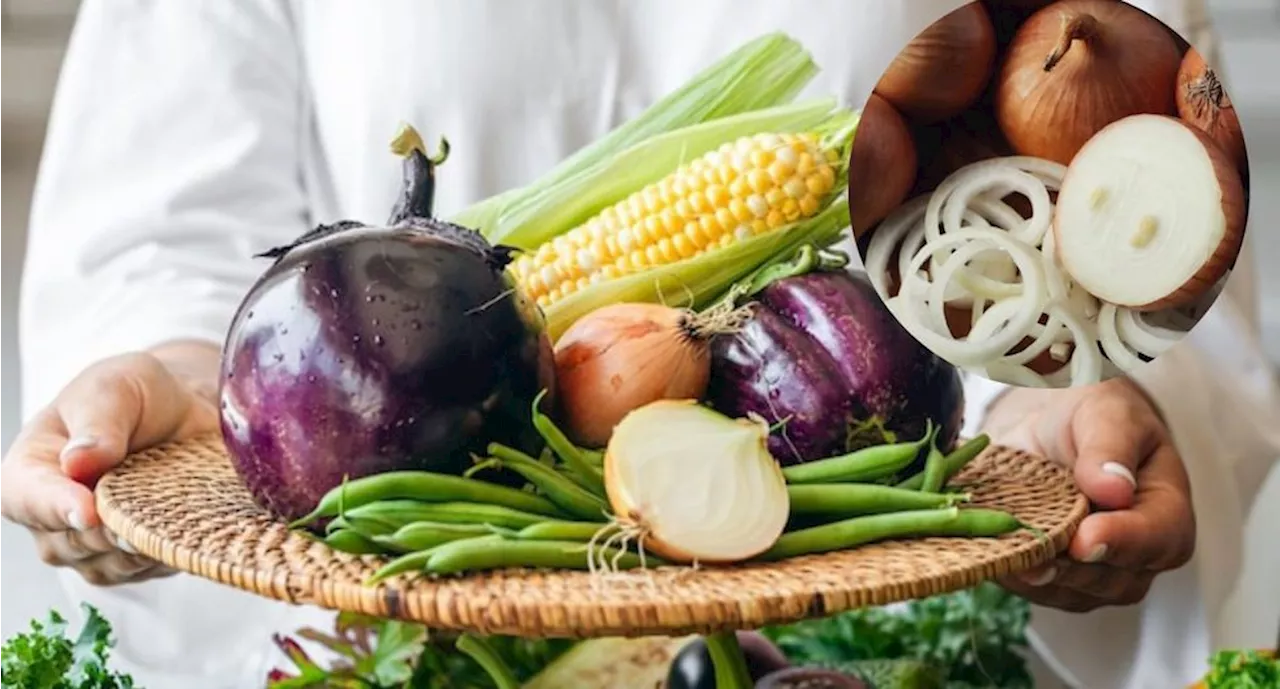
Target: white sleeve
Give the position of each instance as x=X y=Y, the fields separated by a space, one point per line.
x=172 y=157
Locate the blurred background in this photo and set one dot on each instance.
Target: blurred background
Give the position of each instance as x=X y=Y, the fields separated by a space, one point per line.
x=34 y=34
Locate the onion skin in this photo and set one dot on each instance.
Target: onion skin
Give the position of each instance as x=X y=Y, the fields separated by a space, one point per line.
x=1234 y=209
x=1204 y=104
x=1075 y=67
x=621 y=357
x=824 y=352
x=882 y=165
x=944 y=69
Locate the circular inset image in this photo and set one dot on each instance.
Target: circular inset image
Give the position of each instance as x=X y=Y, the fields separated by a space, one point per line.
x=1048 y=194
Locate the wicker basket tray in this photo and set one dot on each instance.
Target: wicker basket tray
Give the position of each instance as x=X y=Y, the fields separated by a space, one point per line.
x=183 y=505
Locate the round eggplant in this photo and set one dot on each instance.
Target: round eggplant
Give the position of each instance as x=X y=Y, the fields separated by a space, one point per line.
x=824 y=358
x=692 y=667
x=366 y=349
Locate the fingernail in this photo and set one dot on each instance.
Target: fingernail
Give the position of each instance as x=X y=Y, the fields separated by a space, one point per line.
x=77 y=443
x=1099 y=551
x=1117 y=469
x=1043 y=578
x=76 y=521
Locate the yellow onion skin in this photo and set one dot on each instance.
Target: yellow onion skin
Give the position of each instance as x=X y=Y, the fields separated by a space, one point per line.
x=1075 y=67
x=882 y=165
x=944 y=69
x=1204 y=104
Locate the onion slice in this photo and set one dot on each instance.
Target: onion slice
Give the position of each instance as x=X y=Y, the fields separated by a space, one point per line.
x=694 y=485
x=1151 y=214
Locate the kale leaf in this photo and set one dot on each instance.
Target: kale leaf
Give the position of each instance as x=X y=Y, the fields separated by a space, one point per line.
x=44 y=658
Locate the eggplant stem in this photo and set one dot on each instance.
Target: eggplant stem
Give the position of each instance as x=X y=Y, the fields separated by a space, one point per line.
x=729 y=662
x=1079 y=27
x=418 y=188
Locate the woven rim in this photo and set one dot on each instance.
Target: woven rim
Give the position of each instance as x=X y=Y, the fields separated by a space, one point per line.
x=183 y=505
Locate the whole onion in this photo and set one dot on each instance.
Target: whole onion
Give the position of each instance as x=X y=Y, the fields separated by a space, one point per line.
x=1203 y=103
x=1075 y=67
x=882 y=165
x=944 y=69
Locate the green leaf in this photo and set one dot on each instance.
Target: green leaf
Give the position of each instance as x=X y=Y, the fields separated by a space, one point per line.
x=1243 y=670
x=44 y=658
x=399 y=645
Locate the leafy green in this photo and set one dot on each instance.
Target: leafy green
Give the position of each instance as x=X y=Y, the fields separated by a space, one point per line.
x=977 y=636
x=387 y=654
x=1243 y=670
x=44 y=658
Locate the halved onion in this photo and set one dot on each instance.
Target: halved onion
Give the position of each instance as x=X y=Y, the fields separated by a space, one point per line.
x=694 y=485
x=1150 y=215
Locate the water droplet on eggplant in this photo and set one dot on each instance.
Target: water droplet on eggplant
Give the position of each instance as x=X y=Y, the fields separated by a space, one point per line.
x=377 y=340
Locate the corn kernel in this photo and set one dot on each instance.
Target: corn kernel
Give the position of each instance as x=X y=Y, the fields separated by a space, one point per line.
x=710 y=227
x=739 y=188
x=610 y=272
x=625 y=219
x=611 y=243
x=833 y=156
x=555 y=294
x=775 y=219
x=726 y=174
x=739 y=161
x=666 y=251
x=635 y=204
x=652 y=229
x=682 y=245
x=652 y=199
x=815 y=185
x=804 y=165
x=809 y=205
x=725 y=219
x=769 y=142
x=699 y=204
x=587 y=261
x=744 y=145
x=637 y=260
x=787 y=155
x=678 y=188
x=739 y=210
x=695 y=183
x=667 y=193
x=780 y=172
x=569 y=287
x=759 y=181
x=583 y=283
x=684 y=210
x=545 y=254
x=623 y=264
x=795 y=188
x=758 y=206
x=759 y=227
x=828 y=176
x=695 y=234
x=626 y=242
x=544 y=301
x=774 y=197
x=562 y=246
x=534 y=285
x=669 y=221
x=549 y=276
x=791 y=210
x=761 y=158
x=725 y=241
x=742 y=232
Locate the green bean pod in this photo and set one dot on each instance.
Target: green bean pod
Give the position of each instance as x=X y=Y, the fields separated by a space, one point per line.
x=480 y=554
x=867 y=464
x=849 y=533
x=423 y=535
x=953 y=463
x=349 y=541
x=401 y=513
x=424 y=486
x=567 y=495
x=409 y=562
x=581 y=532
x=572 y=455
x=852 y=499
x=935 y=470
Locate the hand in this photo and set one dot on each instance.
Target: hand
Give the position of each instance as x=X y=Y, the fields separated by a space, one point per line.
x=1124 y=461
x=114 y=407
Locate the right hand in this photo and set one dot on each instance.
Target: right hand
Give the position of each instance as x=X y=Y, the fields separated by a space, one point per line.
x=117 y=406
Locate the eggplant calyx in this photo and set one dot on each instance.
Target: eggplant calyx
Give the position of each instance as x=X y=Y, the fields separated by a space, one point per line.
x=806 y=259
x=860 y=433
x=320 y=232
x=418 y=188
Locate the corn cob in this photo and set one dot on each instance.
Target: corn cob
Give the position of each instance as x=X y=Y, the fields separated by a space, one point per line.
x=745 y=188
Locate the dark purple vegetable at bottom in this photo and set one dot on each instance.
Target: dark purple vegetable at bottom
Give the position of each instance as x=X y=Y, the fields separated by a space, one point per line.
x=809 y=678
x=692 y=667
x=366 y=349
x=824 y=354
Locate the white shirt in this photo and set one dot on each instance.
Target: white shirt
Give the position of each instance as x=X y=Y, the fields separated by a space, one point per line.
x=188 y=136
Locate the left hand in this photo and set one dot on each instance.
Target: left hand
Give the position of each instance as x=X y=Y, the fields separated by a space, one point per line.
x=1124 y=461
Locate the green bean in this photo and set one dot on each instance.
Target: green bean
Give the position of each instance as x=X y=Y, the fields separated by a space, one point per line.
x=934 y=469
x=572 y=455
x=841 y=535
x=866 y=464
x=367 y=526
x=850 y=499
x=596 y=457
x=953 y=463
x=424 y=486
x=410 y=562
x=349 y=541
x=480 y=554
x=422 y=535
x=404 y=512
x=567 y=495
x=561 y=531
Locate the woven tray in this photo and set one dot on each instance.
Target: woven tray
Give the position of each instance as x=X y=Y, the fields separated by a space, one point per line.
x=183 y=505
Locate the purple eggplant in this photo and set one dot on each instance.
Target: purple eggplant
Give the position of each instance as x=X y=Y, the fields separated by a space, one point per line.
x=366 y=349
x=825 y=360
x=692 y=668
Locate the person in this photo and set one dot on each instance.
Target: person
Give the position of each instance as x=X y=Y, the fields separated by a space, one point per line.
x=186 y=137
